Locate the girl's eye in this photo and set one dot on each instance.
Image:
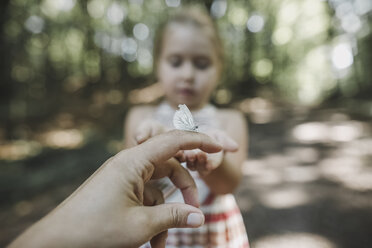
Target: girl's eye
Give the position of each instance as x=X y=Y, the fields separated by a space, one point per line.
x=175 y=61
x=202 y=63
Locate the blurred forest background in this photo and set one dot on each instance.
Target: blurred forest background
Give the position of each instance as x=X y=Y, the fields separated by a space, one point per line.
x=299 y=69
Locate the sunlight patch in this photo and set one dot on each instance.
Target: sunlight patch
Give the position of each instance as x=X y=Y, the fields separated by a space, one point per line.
x=67 y=138
x=19 y=149
x=294 y=240
x=285 y=198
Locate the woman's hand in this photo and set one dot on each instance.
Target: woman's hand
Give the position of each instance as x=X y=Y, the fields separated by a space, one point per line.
x=108 y=209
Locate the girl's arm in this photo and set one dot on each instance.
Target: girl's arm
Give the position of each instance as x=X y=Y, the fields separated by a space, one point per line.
x=226 y=177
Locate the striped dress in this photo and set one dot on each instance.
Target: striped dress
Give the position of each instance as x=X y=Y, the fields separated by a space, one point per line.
x=224 y=226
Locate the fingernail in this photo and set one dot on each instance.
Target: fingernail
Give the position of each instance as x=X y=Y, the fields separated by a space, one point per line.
x=234 y=144
x=195 y=220
x=139 y=138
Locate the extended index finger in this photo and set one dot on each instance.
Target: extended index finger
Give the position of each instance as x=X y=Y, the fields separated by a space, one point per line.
x=164 y=146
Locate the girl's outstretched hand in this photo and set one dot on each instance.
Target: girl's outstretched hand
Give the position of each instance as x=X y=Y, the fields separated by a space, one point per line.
x=204 y=163
x=196 y=159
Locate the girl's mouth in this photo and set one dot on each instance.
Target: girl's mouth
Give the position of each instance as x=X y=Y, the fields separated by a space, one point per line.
x=186 y=92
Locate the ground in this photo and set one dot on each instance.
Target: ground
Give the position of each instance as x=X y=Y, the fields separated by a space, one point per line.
x=307 y=181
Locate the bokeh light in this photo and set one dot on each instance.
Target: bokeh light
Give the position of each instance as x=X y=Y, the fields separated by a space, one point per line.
x=238 y=16
x=218 y=8
x=141 y=31
x=96 y=9
x=255 y=23
x=115 y=13
x=34 y=24
x=173 y=3
x=342 y=56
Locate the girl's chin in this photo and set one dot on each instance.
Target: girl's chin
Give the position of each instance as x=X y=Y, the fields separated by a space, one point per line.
x=189 y=104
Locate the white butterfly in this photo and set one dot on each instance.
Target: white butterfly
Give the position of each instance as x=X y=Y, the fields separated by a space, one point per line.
x=183 y=120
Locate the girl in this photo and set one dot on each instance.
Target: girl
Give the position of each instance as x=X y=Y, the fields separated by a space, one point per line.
x=188 y=63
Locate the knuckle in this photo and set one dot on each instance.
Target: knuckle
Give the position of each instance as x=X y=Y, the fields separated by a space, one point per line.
x=176 y=216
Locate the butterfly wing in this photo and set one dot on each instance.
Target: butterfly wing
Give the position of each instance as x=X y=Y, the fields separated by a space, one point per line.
x=187 y=115
x=183 y=120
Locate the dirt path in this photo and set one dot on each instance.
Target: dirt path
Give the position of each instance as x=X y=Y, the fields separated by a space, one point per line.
x=308 y=182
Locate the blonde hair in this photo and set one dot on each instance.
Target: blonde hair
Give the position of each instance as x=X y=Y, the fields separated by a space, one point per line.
x=196 y=16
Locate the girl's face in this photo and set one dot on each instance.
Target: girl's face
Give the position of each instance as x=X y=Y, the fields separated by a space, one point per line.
x=187 y=66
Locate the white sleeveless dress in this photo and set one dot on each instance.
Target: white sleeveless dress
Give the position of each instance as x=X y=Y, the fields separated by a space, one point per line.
x=224 y=226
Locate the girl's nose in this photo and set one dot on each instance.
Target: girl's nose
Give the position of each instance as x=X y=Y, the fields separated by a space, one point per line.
x=188 y=72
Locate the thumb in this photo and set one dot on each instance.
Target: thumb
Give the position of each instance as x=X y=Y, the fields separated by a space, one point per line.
x=172 y=215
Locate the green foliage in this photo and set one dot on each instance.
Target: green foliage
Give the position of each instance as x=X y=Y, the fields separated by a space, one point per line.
x=64 y=54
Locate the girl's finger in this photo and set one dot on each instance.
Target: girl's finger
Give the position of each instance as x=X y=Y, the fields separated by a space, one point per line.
x=143 y=132
x=159 y=241
x=152 y=196
x=191 y=159
x=227 y=143
x=191 y=165
x=201 y=160
x=202 y=166
x=180 y=156
x=156 y=129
